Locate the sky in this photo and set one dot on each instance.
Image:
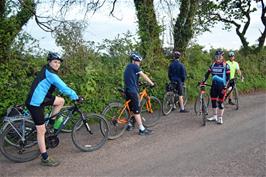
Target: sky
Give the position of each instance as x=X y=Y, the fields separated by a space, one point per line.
x=102 y=26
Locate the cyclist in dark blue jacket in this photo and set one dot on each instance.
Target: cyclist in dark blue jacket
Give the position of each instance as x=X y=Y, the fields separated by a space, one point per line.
x=177 y=76
x=41 y=95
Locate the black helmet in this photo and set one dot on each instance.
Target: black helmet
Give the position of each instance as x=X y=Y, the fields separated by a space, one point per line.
x=135 y=56
x=176 y=54
x=54 y=56
x=219 y=52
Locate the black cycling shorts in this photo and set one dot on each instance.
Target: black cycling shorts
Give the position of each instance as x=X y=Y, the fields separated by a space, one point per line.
x=178 y=87
x=134 y=104
x=37 y=112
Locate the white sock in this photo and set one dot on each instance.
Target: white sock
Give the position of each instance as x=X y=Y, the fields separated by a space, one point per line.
x=141 y=127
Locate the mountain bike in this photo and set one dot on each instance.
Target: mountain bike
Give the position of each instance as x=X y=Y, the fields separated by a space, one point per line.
x=202 y=102
x=171 y=97
x=234 y=92
x=118 y=114
x=18 y=139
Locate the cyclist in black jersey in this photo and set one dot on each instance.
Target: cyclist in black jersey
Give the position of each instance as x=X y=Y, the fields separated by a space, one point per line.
x=41 y=95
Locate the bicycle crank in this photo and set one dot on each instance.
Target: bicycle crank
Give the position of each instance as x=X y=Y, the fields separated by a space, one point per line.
x=52 y=141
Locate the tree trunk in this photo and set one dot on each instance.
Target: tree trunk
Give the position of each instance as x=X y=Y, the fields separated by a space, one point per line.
x=183 y=29
x=10 y=26
x=149 y=29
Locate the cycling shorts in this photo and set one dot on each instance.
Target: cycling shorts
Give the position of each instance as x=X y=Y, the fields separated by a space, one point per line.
x=37 y=112
x=178 y=88
x=134 y=104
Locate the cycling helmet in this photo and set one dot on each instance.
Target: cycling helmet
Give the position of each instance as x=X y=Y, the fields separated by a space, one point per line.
x=176 y=54
x=231 y=53
x=54 y=56
x=135 y=56
x=219 y=52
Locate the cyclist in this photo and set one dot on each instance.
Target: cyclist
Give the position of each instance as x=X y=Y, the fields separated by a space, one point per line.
x=220 y=76
x=234 y=66
x=131 y=80
x=177 y=76
x=40 y=95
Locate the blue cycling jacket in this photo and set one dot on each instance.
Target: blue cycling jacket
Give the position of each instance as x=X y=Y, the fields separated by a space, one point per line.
x=177 y=72
x=44 y=85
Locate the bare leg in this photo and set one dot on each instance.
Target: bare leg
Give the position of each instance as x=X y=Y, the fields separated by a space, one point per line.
x=58 y=105
x=181 y=102
x=41 y=137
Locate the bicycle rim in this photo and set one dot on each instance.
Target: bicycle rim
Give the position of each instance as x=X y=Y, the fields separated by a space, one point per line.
x=204 y=113
x=113 y=114
x=168 y=102
x=150 y=114
x=236 y=98
x=94 y=138
x=12 y=146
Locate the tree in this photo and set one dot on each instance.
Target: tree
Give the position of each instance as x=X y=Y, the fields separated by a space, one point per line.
x=13 y=16
x=233 y=13
x=183 y=28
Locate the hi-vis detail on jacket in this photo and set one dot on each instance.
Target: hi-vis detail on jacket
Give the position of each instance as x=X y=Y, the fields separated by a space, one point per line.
x=220 y=73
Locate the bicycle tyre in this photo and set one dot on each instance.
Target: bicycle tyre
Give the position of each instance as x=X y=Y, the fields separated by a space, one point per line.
x=111 y=112
x=236 y=99
x=168 y=101
x=204 y=112
x=94 y=139
x=149 y=119
x=197 y=104
x=14 y=151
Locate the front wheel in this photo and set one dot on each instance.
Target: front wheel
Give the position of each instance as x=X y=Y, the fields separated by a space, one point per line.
x=150 y=111
x=198 y=104
x=18 y=146
x=168 y=102
x=117 y=118
x=90 y=132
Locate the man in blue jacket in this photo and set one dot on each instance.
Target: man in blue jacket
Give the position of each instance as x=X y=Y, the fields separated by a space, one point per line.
x=41 y=95
x=177 y=76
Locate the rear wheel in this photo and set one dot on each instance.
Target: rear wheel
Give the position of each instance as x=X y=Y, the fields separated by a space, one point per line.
x=235 y=96
x=117 y=120
x=168 y=102
x=90 y=134
x=198 y=104
x=204 y=112
x=150 y=111
x=15 y=146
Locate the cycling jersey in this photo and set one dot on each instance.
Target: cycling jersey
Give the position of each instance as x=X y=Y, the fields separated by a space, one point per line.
x=131 y=78
x=44 y=85
x=220 y=73
x=234 y=66
x=177 y=72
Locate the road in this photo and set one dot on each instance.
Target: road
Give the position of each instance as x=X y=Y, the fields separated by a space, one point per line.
x=180 y=146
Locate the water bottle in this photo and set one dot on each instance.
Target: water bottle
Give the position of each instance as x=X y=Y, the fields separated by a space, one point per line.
x=58 y=122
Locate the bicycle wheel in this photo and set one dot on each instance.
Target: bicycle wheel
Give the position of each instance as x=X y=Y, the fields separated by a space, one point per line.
x=150 y=111
x=236 y=100
x=70 y=124
x=113 y=114
x=168 y=102
x=16 y=147
x=198 y=104
x=204 y=112
x=93 y=133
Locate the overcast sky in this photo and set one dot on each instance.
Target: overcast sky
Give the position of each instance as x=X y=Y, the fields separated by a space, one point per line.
x=101 y=26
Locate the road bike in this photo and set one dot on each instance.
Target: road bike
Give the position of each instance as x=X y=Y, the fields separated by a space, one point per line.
x=235 y=94
x=171 y=97
x=18 y=139
x=119 y=114
x=202 y=102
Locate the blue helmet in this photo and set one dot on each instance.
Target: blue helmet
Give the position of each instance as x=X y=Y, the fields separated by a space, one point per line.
x=135 y=56
x=54 y=56
x=176 y=54
x=231 y=53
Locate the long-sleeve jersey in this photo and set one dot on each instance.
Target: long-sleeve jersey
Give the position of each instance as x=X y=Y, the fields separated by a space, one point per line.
x=177 y=72
x=220 y=73
x=45 y=84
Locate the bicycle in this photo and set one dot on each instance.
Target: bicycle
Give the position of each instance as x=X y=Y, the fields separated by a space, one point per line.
x=18 y=139
x=118 y=115
x=202 y=102
x=171 y=97
x=234 y=92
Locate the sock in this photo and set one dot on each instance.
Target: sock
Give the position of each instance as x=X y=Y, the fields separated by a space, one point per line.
x=142 y=128
x=44 y=155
